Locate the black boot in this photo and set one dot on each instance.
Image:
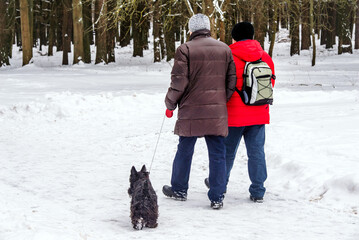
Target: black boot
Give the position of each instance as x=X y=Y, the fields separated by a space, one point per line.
x=177 y=195
x=217 y=205
x=206 y=181
x=256 y=199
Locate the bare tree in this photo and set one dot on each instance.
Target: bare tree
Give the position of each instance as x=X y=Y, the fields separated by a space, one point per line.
x=231 y=19
x=112 y=29
x=156 y=30
x=331 y=24
x=100 y=28
x=59 y=25
x=283 y=13
x=88 y=29
x=169 y=13
x=260 y=21
x=357 y=26
x=125 y=16
x=7 y=29
x=26 y=36
x=66 y=31
x=138 y=21
x=306 y=28
x=4 y=58
x=52 y=28
x=311 y=20
x=273 y=26
x=294 y=27
x=78 y=31
x=222 y=10
x=345 y=8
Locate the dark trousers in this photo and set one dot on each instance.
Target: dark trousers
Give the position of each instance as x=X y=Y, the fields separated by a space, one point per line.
x=254 y=138
x=217 y=165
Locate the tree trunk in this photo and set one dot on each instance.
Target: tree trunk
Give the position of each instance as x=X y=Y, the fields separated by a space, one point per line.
x=170 y=43
x=273 y=27
x=169 y=31
x=26 y=36
x=357 y=27
x=137 y=19
x=88 y=30
x=100 y=18
x=294 y=27
x=18 y=25
x=156 y=31
x=306 y=33
x=317 y=17
x=78 y=25
x=11 y=16
x=284 y=15
x=125 y=35
x=145 y=27
x=66 y=31
x=59 y=27
x=246 y=10
x=162 y=44
x=35 y=23
x=331 y=25
x=111 y=31
x=4 y=57
x=345 y=40
x=44 y=16
x=311 y=20
x=208 y=10
x=324 y=23
x=222 y=21
x=52 y=33
x=230 y=20
x=260 y=22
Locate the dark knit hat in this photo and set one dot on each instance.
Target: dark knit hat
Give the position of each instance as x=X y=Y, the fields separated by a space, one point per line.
x=242 y=30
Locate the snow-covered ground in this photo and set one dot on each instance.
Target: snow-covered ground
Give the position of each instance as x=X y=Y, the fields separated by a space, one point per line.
x=69 y=136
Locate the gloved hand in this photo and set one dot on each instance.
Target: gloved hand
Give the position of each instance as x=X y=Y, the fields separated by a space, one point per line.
x=169 y=113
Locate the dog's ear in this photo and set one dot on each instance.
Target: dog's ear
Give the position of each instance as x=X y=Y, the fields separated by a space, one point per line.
x=133 y=171
x=143 y=169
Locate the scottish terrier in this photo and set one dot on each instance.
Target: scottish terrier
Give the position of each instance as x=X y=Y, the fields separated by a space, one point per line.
x=144 y=207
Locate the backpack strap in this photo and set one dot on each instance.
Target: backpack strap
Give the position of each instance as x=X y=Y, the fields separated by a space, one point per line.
x=257 y=61
x=243 y=96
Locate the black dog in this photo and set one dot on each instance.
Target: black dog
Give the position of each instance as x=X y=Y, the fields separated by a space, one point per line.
x=144 y=208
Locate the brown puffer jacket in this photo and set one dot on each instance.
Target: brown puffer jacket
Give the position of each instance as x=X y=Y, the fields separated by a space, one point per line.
x=203 y=79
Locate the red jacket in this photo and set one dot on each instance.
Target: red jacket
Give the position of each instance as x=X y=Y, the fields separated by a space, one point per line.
x=239 y=114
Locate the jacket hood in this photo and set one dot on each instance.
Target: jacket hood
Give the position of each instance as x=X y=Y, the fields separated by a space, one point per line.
x=247 y=50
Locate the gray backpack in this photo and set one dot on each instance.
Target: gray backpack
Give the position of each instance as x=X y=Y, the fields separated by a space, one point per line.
x=257 y=84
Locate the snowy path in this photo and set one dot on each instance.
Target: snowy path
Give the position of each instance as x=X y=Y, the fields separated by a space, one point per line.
x=67 y=143
x=65 y=174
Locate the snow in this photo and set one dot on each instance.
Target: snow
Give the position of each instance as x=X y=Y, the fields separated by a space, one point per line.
x=70 y=135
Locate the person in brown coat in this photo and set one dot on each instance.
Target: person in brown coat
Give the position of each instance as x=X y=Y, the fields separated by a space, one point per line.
x=203 y=79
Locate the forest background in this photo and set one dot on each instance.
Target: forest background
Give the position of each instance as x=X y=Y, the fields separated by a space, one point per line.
x=109 y=24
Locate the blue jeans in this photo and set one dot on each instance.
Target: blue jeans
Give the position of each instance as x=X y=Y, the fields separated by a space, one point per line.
x=254 y=138
x=217 y=165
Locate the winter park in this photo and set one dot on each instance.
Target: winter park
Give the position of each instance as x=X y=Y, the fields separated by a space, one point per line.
x=86 y=94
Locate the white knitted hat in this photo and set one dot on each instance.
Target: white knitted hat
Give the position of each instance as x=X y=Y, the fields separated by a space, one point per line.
x=198 y=22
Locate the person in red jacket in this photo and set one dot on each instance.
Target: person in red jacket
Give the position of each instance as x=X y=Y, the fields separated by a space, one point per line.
x=244 y=120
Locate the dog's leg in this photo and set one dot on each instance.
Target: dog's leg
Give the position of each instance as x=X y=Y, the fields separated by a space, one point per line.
x=152 y=224
x=151 y=219
x=137 y=220
x=137 y=223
